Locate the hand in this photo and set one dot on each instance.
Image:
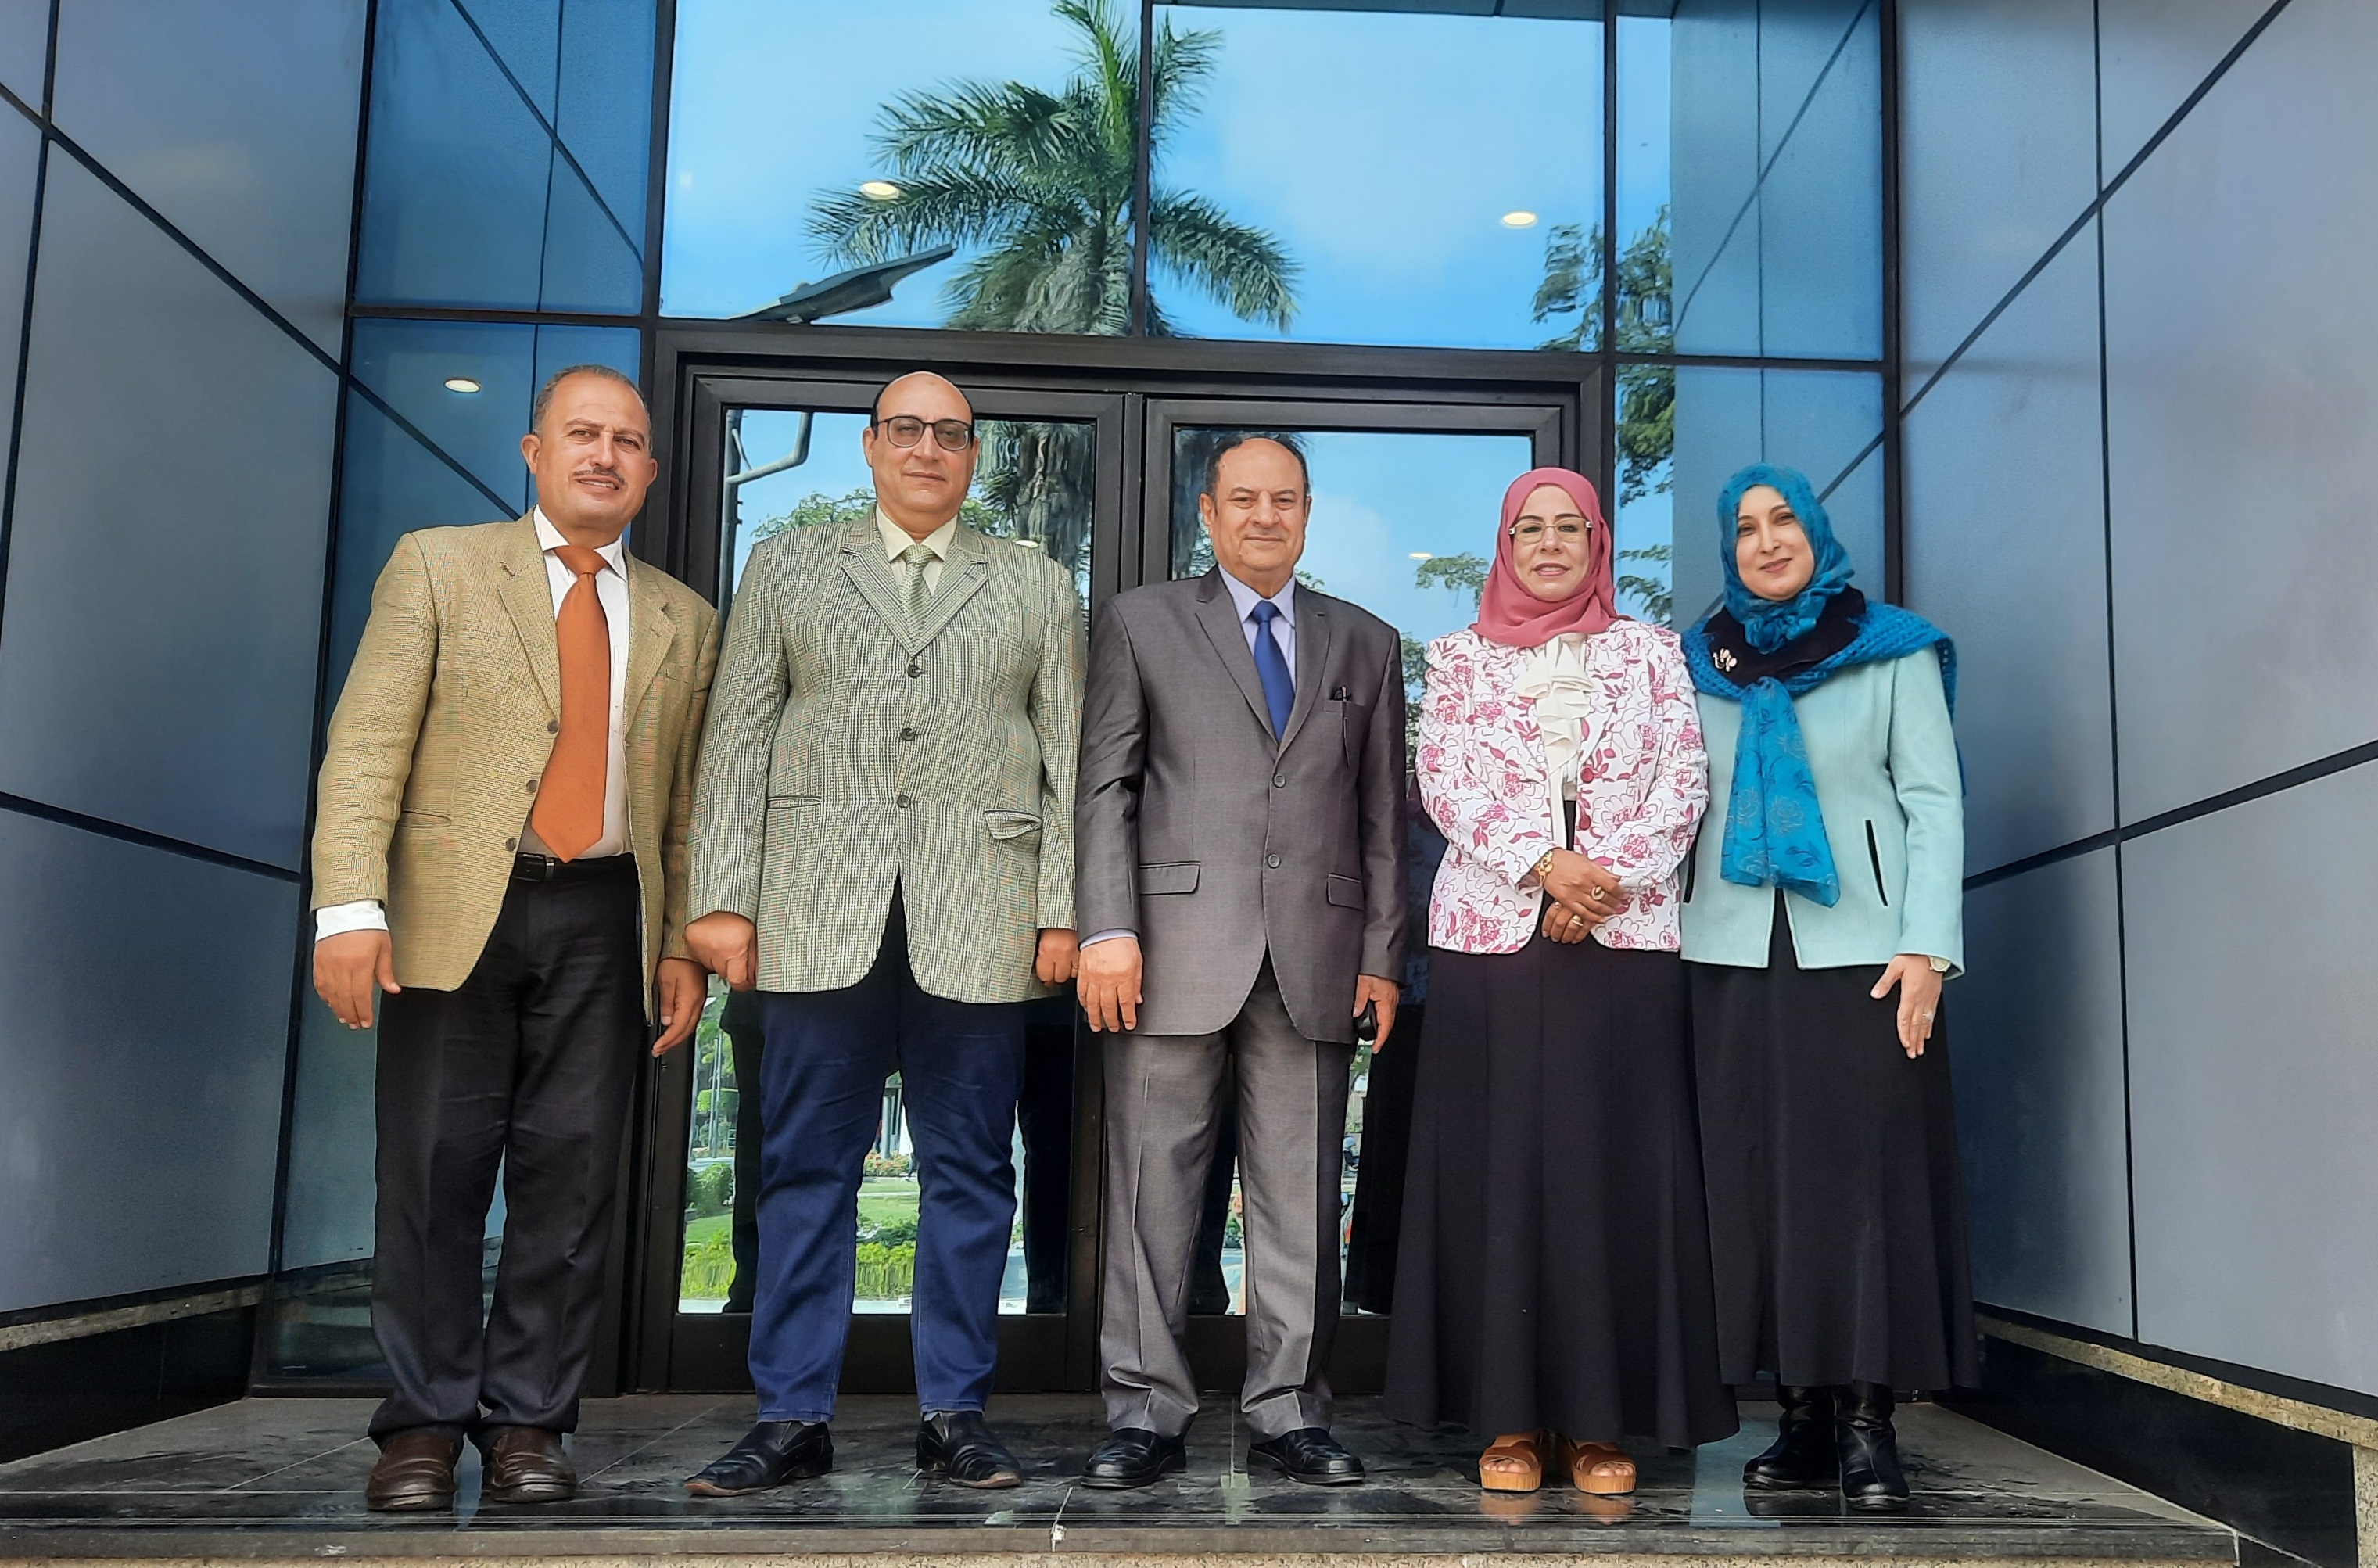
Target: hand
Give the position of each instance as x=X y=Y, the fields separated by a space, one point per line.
x=1058 y=956
x=1919 y=1000
x=1586 y=889
x=349 y=968
x=1110 y=984
x=685 y=991
x=1563 y=925
x=729 y=946
x=1370 y=988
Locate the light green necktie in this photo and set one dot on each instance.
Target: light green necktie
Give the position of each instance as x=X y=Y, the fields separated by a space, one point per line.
x=915 y=557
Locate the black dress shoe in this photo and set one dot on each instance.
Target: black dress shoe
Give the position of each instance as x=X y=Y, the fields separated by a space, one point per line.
x=960 y=1444
x=1802 y=1455
x=413 y=1474
x=1310 y=1455
x=773 y=1454
x=1872 y=1481
x=525 y=1464
x=1134 y=1456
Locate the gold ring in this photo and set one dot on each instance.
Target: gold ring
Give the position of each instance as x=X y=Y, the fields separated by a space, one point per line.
x=1595 y=895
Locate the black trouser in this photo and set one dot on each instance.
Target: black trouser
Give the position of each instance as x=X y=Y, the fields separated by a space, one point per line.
x=529 y=1065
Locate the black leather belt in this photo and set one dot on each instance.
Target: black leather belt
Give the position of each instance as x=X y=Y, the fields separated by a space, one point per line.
x=552 y=868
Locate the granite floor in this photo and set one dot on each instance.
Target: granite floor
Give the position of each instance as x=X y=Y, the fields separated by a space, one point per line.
x=283 y=1479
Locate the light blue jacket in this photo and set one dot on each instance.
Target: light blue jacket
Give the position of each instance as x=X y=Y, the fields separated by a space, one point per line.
x=1885 y=763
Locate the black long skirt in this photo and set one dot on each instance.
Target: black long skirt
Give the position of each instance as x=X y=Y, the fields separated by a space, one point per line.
x=1553 y=1269
x=1837 y=1206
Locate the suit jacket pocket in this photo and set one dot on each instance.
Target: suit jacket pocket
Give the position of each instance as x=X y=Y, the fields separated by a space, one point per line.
x=1354 y=725
x=1011 y=825
x=1169 y=877
x=1346 y=892
x=779 y=803
x=411 y=818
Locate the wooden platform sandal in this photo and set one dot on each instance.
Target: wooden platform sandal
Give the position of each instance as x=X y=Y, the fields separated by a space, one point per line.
x=1514 y=1462
x=1602 y=1469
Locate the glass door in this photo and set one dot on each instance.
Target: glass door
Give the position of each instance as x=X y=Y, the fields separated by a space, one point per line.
x=786 y=456
x=1101 y=468
x=1406 y=499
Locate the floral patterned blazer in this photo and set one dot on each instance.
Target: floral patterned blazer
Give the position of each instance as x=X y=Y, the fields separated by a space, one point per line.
x=1642 y=782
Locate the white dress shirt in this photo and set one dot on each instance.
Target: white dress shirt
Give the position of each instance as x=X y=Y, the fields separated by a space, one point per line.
x=611 y=592
x=1283 y=632
x=896 y=539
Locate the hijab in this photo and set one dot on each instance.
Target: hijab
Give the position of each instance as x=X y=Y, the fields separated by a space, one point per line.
x=1762 y=654
x=1769 y=624
x=1508 y=612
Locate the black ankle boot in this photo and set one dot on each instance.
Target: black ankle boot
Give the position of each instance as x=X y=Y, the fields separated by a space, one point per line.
x=1871 y=1478
x=1802 y=1455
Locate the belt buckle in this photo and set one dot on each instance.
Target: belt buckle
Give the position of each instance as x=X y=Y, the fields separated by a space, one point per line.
x=535 y=868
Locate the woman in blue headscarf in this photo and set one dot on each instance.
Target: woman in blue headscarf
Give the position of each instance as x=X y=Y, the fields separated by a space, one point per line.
x=1823 y=910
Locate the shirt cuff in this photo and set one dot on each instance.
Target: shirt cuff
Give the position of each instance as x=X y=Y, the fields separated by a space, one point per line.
x=1107 y=935
x=337 y=920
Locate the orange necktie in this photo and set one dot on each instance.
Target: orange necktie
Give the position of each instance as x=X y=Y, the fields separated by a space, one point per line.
x=569 y=812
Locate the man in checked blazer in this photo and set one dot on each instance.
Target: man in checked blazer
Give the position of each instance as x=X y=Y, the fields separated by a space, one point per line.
x=883 y=845
x=499 y=865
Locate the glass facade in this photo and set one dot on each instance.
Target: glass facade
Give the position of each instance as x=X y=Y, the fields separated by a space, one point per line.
x=1685 y=206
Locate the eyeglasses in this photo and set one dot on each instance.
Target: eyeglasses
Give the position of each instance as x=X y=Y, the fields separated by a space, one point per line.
x=906 y=430
x=1531 y=532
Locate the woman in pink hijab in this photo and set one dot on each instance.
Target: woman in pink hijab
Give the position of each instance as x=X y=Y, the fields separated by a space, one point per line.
x=1553 y=1280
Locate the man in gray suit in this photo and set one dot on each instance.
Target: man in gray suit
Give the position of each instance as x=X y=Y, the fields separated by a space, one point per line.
x=882 y=844
x=1242 y=848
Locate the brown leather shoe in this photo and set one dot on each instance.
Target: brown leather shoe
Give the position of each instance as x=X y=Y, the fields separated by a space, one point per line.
x=413 y=1474
x=525 y=1464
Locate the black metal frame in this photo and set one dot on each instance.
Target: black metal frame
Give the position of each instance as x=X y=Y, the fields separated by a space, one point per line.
x=1136 y=393
x=690 y=367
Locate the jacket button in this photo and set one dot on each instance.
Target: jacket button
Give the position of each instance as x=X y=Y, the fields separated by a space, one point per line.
x=905 y=802
x=1280 y=781
x=908 y=734
x=915 y=670
x=531 y=786
x=1273 y=862
x=553 y=727
x=512 y=843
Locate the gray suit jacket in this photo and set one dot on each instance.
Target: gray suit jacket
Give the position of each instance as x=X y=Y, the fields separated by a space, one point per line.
x=847 y=749
x=1215 y=843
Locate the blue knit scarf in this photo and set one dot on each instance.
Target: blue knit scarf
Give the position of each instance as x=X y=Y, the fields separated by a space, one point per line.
x=1774 y=828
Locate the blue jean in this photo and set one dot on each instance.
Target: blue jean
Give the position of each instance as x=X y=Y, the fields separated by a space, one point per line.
x=821 y=1077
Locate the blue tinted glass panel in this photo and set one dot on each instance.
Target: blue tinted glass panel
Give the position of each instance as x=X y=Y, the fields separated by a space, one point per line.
x=25 y=47
x=409 y=363
x=163 y=616
x=143 y=1110
x=1774 y=172
x=389 y=486
x=782 y=170
x=590 y=262
x=454 y=177
x=1824 y=423
x=237 y=120
x=1381 y=177
x=525 y=36
x=606 y=102
x=20 y=160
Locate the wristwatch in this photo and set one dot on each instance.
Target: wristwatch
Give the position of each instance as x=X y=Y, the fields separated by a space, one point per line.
x=1940 y=965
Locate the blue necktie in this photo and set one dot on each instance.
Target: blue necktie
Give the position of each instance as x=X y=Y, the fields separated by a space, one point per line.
x=1272 y=667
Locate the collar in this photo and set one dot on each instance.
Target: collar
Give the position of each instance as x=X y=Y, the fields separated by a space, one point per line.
x=1836 y=628
x=548 y=537
x=1246 y=599
x=896 y=538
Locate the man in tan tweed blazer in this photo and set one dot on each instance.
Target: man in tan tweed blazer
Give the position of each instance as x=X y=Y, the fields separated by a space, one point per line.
x=883 y=845
x=499 y=863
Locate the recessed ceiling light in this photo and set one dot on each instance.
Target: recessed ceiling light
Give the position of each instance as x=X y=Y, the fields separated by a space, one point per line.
x=1519 y=218
x=1423 y=555
x=878 y=190
x=461 y=384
